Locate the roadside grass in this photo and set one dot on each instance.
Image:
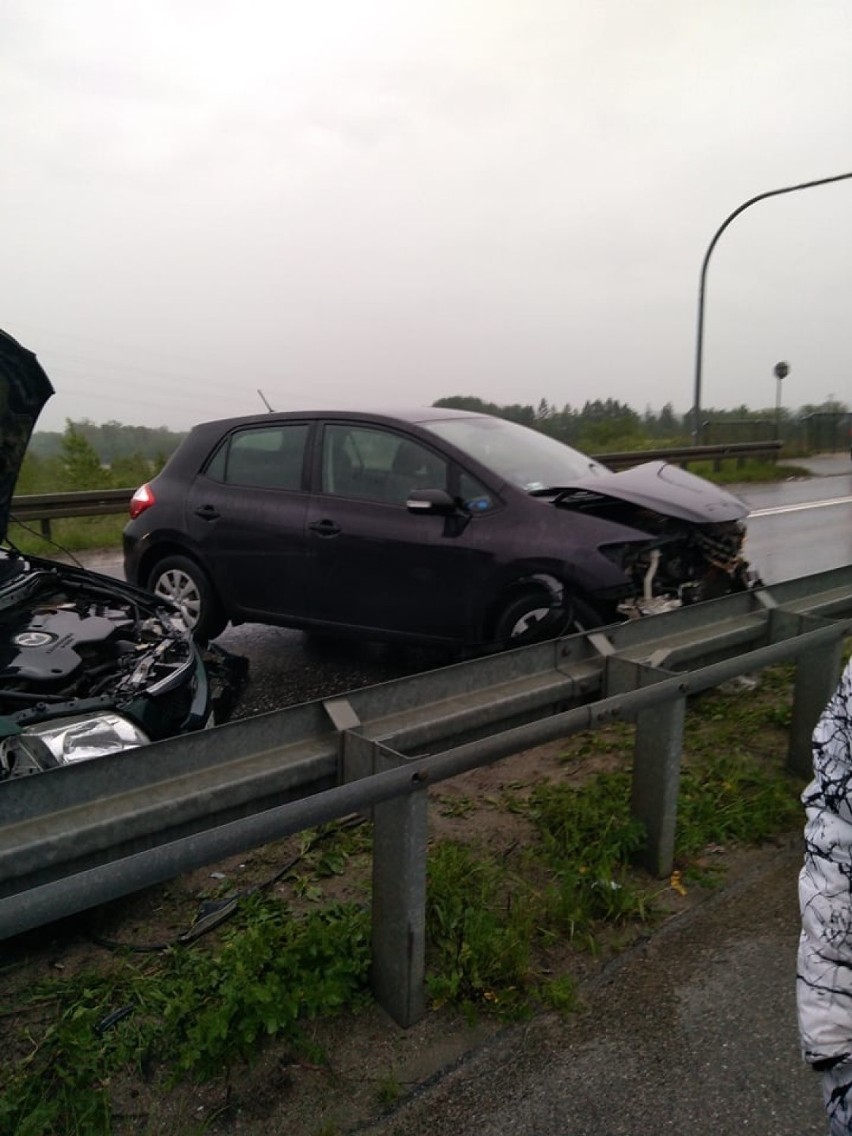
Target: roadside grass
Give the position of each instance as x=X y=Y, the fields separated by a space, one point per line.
x=510 y=927
x=72 y=534
x=189 y=1012
x=732 y=787
x=750 y=472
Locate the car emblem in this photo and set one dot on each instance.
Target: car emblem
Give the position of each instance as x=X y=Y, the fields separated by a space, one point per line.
x=33 y=639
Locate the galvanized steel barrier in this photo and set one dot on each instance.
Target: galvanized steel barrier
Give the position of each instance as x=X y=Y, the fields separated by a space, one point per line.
x=75 y=837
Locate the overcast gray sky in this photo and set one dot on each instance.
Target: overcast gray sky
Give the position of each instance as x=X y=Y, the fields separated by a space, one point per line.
x=369 y=202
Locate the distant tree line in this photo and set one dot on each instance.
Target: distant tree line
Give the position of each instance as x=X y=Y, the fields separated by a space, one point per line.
x=608 y=425
x=111 y=441
x=86 y=456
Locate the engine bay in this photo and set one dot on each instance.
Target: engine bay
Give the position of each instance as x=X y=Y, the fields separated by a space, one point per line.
x=69 y=638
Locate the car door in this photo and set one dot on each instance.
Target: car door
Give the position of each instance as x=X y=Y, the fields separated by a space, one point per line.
x=372 y=563
x=246 y=514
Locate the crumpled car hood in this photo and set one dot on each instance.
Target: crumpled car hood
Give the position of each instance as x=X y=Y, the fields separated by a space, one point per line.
x=24 y=389
x=662 y=488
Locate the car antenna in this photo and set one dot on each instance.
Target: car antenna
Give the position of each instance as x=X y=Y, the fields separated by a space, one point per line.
x=263 y=400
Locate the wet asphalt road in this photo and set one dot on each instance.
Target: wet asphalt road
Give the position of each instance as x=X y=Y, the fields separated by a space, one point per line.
x=788 y=536
x=288 y=667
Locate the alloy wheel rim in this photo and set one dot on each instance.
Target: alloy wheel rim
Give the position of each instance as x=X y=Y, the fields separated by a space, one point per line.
x=181 y=590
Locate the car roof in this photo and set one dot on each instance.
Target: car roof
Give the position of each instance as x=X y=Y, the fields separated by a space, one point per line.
x=407 y=415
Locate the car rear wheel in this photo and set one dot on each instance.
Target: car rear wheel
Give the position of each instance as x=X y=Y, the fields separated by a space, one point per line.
x=532 y=617
x=181 y=580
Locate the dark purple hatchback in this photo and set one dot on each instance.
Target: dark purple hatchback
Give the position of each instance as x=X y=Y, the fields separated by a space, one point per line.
x=430 y=526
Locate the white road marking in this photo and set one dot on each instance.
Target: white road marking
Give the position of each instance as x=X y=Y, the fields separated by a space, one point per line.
x=777 y=510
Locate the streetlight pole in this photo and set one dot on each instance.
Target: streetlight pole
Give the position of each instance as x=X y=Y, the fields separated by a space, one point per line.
x=699 y=340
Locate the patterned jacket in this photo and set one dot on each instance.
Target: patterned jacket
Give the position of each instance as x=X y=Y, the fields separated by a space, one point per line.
x=824 y=977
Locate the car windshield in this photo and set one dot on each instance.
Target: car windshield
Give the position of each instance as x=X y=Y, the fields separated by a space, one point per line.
x=526 y=458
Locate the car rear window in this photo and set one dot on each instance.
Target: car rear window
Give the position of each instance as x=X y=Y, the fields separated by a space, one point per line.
x=266 y=457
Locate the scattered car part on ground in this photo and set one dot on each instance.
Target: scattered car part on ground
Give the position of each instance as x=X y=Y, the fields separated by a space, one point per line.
x=433 y=526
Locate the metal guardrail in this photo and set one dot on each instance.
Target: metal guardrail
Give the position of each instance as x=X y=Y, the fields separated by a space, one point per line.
x=49 y=507
x=77 y=836
x=687 y=455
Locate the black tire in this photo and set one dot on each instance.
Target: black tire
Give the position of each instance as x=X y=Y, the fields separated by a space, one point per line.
x=186 y=584
x=531 y=618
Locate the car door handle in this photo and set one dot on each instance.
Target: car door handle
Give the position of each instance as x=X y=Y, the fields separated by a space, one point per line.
x=325 y=528
x=207 y=513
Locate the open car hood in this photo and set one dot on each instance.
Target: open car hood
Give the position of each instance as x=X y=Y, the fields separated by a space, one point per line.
x=24 y=389
x=662 y=488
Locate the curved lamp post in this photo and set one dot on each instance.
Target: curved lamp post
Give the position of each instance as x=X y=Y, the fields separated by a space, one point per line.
x=699 y=343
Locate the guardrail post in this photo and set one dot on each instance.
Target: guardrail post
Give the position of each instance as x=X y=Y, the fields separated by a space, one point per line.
x=398 y=925
x=399 y=905
x=817 y=673
x=656 y=759
x=656 y=780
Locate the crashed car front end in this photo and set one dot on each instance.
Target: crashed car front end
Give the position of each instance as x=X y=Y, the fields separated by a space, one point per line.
x=684 y=564
x=88 y=664
x=692 y=542
x=91 y=666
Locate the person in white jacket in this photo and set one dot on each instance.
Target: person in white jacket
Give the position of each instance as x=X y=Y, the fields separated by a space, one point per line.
x=824 y=973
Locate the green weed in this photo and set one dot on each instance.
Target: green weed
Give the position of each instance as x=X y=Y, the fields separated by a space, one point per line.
x=590 y=825
x=194 y=1012
x=389 y=1089
x=270 y=973
x=732 y=798
x=559 y=994
x=733 y=786
x=588 y=838
x=452 y=806
x=480 y=926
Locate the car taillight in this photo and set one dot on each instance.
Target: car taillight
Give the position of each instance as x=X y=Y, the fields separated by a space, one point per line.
x=141 y=500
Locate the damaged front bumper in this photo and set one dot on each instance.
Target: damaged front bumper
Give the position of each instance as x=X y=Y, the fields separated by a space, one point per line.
x=49 y=736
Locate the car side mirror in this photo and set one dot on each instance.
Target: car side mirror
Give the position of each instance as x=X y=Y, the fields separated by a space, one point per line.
x=434 y=502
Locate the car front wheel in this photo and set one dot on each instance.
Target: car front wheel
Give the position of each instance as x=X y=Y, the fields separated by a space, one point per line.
x=532 y=617
x=181 y=580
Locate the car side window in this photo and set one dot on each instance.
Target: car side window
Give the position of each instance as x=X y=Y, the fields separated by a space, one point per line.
x=266 y=457
x=377 y=465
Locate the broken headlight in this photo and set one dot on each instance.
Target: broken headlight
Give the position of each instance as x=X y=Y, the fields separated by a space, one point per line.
x=64 y=741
